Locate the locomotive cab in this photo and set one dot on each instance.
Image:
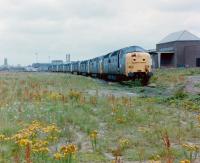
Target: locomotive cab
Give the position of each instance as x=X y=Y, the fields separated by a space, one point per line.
x=138 y=62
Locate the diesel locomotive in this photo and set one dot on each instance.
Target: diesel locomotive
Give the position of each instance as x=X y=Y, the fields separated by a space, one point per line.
x=128 y=63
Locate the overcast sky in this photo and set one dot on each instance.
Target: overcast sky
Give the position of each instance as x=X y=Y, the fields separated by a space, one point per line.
x=88 y=28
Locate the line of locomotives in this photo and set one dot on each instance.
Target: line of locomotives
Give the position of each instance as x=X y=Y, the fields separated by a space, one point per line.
x=129 y=63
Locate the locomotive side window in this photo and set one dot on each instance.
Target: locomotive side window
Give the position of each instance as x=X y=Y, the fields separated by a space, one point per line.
x=116 y=58
x=118 y=55
x=115 y=53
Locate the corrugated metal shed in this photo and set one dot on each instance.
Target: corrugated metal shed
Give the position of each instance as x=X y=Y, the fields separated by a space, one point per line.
x=179 y=36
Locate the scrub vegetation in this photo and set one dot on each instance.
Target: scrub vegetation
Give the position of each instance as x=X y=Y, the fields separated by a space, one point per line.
x=46 y=117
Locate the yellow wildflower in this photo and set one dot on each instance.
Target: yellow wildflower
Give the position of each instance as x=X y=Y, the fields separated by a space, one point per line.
x=7 y=139
x=120 y=120
x=68 y=149
x=155 y=159
x=72 y=148
x=51 y=128
x=40 y=143
x=93 y=134
x=64 y=149
x=198 y=118
x=43 y=150
x=189 y=147
x=124 y=142
x=52 y=138
x=185 y=161
x=2 y=137
x=114 y=110
x=58 y=156
x=24 y=142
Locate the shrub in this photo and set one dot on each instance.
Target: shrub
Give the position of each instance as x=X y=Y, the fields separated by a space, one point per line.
x=180 y=93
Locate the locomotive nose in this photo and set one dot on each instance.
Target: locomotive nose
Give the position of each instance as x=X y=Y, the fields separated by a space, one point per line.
x=138 y=62
x=137 y=58
x=133 y=57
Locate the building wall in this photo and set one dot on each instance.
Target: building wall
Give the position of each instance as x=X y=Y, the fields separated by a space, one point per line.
x=169 y=47
x=185 y=52
x=191 y=53
x=180 y=51
x=154 y=57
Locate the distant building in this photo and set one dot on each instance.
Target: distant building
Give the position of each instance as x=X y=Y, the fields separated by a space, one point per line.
x=41 y=66
x=5 y=62
x=16 y=69
x=57 y=62
x=67 y=58
x=179 y=49
x=30 y=69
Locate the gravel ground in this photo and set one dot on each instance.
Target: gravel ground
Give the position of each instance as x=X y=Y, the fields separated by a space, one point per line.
x=115 y=93
x=190 y=85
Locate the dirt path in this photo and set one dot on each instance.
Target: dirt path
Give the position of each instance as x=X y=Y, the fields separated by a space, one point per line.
x=191 y=85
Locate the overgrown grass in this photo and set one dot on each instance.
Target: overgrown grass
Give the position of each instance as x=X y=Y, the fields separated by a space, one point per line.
x=197 y=85
x=173 y=77
x=132 y=127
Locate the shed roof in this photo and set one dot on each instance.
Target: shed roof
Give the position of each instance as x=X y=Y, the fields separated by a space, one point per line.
x=179 y=36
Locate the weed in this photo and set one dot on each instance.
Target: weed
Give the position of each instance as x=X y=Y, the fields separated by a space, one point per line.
x=93 y=137
x=41 y=113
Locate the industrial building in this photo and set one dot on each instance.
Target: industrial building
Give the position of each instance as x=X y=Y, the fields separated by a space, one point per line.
x=179 y=49
x=41 y=66
x=5 y=62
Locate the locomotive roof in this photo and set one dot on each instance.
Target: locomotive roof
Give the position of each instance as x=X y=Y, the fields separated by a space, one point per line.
x=107 y=55
x=75 y=62
x=97 y=58
x=84 y=61
x=127 y=50
x=133 y=49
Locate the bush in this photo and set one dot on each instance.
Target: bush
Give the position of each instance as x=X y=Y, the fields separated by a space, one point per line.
x=180 y=93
